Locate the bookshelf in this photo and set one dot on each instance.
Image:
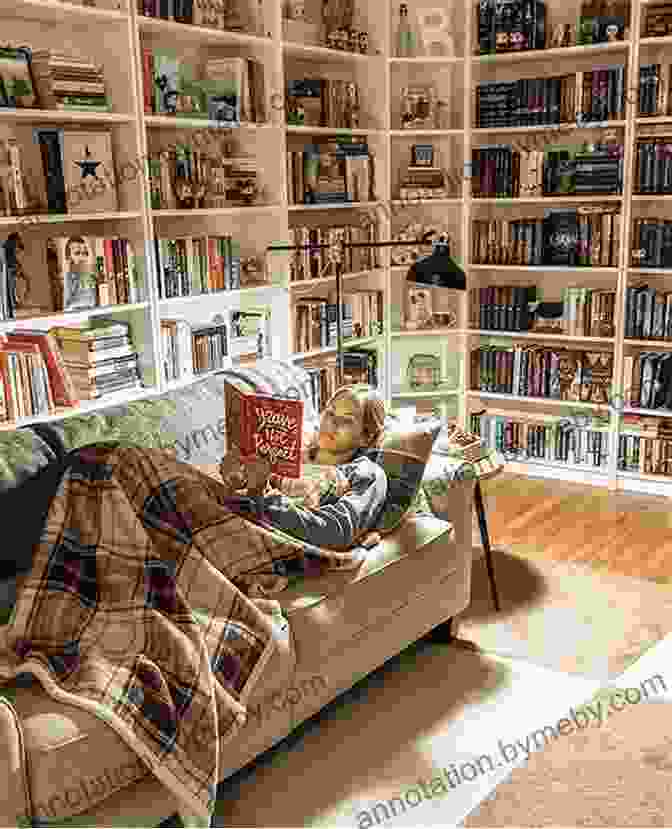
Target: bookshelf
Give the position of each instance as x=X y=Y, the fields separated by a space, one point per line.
x=116 y=34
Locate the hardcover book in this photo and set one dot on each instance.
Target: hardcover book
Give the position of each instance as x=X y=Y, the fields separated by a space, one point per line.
x=266 y=427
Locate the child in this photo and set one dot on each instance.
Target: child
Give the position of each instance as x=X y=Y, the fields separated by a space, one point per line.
x=338 y=499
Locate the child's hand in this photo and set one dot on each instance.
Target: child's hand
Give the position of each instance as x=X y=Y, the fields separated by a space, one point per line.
x=240 y=472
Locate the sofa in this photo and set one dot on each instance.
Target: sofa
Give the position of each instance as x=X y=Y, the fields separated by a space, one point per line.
x=70 y=765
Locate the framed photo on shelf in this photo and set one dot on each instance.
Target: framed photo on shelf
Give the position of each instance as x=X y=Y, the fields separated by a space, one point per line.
x=418 y=307
x=424 y=372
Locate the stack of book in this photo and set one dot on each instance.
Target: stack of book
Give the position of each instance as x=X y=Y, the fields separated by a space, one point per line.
x=651 y=244
x=69 y=82
x=191 y=265
x=331 y=173
x=317 y=263
x=99 y=357
x=653 y=164
x=645 y=445
x=658 y=21
x=34 y=379
x=542 y=438
x=528 y=102
x=510 y=25
x=648 y=313
x=543 y=371
x=424 y=178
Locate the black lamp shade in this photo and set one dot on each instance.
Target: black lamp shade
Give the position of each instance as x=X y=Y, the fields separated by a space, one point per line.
x=439 y=269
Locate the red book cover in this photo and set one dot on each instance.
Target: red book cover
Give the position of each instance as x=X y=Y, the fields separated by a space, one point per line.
x=264 y=426
x=62 y=386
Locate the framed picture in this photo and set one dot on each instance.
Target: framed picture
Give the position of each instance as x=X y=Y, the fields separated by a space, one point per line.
x=418 y=307
x=16 y=81
x=434 y=25
x=424 y=371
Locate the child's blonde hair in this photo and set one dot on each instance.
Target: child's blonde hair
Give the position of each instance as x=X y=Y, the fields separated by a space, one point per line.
x=372 y=407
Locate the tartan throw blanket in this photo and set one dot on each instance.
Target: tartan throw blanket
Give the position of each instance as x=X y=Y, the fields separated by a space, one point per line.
x=136 y=610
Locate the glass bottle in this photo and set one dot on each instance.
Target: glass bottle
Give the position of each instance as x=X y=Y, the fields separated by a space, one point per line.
x=405 y=40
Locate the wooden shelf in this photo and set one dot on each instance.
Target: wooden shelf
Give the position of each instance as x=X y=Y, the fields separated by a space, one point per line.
x=380 y=77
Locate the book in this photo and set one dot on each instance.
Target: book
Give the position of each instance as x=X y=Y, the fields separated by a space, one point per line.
x=73 y=272
x=88 y=172
x=63 y=389
x=264 y=426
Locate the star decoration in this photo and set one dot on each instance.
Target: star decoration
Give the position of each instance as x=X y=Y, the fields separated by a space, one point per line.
x=88 y=167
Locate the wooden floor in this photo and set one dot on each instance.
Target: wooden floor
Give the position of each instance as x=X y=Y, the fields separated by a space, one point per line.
x=625 y=533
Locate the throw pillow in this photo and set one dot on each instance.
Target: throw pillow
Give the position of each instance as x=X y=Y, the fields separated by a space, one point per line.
x=403 y=454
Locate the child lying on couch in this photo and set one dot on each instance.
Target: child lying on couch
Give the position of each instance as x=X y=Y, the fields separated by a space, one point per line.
x=338 y=499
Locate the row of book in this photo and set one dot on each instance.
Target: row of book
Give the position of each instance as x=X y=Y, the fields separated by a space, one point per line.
x=653 y=165
x=510 y=25
x=577 y=237
x=190 y=350
x=649 y=456
x=648 y=379
x=584 y=312
x=359 y=366
x=84 y=272
x=323 y=102
x=191 y=265
x=232 y=90
x=362 y=315
x=316 y=263
x=543 y=371
x=528 y=439
x=651 y=244
x=334 y=172
x=593 y=169
x=216 y=14
x=93 y=271
x=648 y=313
x=188 y=179
x=528 y=102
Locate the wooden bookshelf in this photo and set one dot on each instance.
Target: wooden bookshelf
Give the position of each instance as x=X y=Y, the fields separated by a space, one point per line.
x=116 y=34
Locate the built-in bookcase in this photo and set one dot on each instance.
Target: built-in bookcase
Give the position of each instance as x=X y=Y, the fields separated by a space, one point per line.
x=116 y=35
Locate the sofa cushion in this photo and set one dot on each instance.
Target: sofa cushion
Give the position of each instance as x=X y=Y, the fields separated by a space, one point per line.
x=403 y=454
x=189 y=420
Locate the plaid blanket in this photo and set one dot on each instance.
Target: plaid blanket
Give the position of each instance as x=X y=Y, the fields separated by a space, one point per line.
x=136 y=610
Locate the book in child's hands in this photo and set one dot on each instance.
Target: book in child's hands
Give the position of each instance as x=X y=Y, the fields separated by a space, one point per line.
x=264 y=426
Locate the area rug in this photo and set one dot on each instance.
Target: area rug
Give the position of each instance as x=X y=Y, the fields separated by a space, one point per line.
x=614 y=774
x=565 y=615
x=623 y=533
x=400 y=748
